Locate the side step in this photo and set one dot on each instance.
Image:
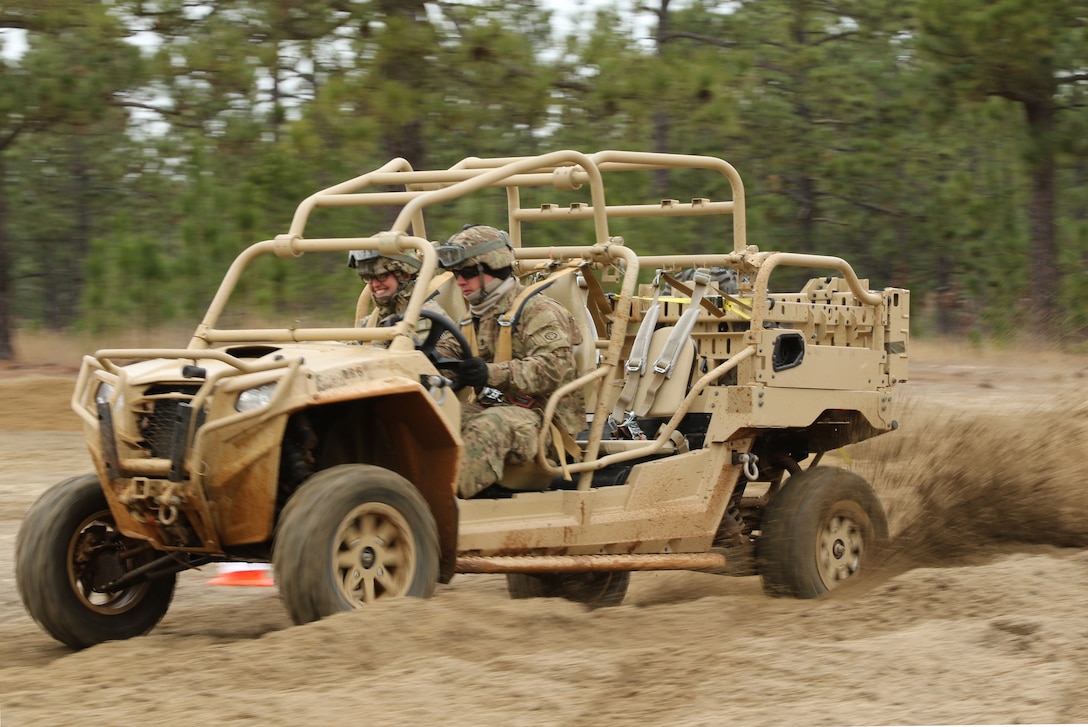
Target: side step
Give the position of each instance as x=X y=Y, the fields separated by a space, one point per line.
x=587 y=563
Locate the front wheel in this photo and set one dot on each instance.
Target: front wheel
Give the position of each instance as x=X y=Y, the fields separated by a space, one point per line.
x=596 y=590
x=67 y=553
x=352 y=535
x=823 y=528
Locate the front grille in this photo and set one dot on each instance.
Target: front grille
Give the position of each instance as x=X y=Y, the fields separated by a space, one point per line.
x=159 y=412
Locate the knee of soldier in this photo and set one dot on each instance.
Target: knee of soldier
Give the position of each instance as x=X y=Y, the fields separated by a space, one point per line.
x=482 y=427
x=487 y=418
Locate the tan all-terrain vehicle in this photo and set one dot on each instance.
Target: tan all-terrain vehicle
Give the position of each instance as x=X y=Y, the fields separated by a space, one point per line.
x=711 y=399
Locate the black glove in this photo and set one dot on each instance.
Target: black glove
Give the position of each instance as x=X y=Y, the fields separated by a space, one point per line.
x=473 y=372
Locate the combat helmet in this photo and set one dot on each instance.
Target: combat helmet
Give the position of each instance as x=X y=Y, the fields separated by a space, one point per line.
x=477 y=245
x=369 y=263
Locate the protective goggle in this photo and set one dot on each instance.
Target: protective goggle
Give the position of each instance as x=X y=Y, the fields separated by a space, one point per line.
x=358 y=257
x=355 y=257
x=454 y=256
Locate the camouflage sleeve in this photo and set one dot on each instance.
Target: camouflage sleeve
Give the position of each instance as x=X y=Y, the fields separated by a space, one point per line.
x=543 y=356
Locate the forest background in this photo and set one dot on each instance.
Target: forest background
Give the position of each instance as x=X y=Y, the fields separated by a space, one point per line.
x=938 y=145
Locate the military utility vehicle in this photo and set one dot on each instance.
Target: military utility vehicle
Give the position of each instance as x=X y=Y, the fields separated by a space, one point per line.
x=333 y=452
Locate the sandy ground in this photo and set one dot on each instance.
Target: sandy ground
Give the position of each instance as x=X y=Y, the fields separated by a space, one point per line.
x=980 y=617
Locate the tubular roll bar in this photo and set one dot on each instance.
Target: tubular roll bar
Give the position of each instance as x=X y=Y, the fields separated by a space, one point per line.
x=564 y=170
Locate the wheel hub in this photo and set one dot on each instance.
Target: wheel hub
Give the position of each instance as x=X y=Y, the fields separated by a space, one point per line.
x=367 y=558
x=106 y=569
x=841 y=546
x=98 y=557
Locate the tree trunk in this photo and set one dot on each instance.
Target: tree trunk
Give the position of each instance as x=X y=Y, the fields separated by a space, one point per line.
x=806 y=214
x=946 y=297
x=70 y=264
x=661 y=117
x=403 y=137
x=7 y=350
x=1044 y=275
x=59 y=259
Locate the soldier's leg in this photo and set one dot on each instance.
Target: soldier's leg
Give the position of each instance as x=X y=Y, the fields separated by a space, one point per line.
x=491 y=438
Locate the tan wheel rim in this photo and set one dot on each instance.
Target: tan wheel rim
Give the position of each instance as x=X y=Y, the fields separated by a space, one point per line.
x=374 y=553
x=840 y=546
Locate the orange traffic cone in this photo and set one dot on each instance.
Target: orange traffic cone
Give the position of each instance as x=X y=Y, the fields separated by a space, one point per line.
x=243 y=574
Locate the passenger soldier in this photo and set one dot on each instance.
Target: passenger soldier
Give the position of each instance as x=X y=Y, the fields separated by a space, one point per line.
x=391 y=279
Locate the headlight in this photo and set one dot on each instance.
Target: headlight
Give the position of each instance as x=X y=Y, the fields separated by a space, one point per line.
x=103 y=393
x=255 y=398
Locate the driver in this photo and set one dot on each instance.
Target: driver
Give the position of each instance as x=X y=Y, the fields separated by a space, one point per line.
x=391 y=279
x=503 y=425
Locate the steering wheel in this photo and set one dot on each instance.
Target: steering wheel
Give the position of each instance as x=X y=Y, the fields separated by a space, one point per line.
x=440 y=325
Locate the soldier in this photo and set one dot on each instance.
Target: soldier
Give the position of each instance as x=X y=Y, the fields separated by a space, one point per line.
x=503 y=425
x=391 y=279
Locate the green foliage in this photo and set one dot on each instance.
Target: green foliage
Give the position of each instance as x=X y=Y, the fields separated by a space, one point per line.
x=1032 y=54
x=133 y=285
x=876 y=131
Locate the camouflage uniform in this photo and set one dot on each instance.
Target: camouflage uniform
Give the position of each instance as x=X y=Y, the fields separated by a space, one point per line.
x=542 y=360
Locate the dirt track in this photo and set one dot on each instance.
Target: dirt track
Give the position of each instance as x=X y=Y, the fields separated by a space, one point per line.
x=980 y=618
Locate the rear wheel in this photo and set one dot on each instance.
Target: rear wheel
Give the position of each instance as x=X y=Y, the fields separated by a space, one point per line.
x=596 y=590
x=67 y=553
x=823 y=528
x=352 y=535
